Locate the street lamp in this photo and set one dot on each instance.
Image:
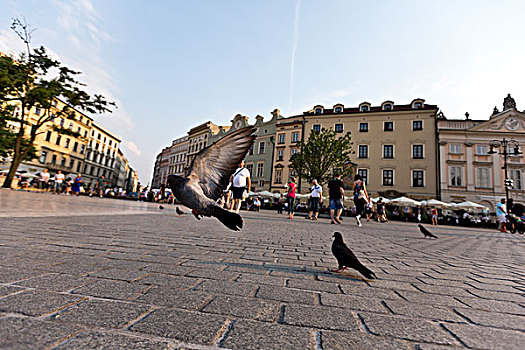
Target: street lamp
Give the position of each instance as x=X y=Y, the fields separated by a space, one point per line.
x=504 y=149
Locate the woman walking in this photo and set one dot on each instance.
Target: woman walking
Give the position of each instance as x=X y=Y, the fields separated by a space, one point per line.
x=290 y=196
x=360 y=197
x=76 y=185
x=316 y=196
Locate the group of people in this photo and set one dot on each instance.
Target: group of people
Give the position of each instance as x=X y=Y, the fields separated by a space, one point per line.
x=58 y=184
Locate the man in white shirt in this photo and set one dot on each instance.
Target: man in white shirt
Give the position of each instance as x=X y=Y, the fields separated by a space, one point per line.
x=240 y=182
x=43 y=179
x=59 y=179
x=316 y=197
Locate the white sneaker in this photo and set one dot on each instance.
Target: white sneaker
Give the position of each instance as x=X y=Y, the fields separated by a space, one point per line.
x=359 y=225
x=358 y=222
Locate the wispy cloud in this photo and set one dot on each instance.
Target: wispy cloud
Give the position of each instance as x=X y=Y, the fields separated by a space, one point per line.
x=131 y=147
x=294 y=49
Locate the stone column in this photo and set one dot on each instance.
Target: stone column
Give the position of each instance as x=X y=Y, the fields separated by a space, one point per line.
x=469 y=168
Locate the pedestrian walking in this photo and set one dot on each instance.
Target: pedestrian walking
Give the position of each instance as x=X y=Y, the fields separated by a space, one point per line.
x=336 y=194
x=100 y=186
x=316 y=197
x=241 y=182
x=280 y=205
x=59 y=180
x=43 y=180
x=501 y=213
x=360 y=198
x=434 y=214
x=290 y=196
x=381 y=214
x=369 y=211
x=77 y=184
x=419 y=215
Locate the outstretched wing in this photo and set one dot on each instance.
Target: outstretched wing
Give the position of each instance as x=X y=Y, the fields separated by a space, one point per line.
x=212 y=166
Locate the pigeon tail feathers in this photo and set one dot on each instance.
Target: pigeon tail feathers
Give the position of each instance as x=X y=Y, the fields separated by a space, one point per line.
x=363 y=270
x=233 y=221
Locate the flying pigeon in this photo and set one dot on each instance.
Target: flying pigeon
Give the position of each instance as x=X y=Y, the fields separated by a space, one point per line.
x=346 y=258
x=209 y=174
x=179 y=212
x=426 y=232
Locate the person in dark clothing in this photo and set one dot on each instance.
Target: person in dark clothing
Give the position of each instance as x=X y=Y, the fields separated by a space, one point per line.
x=360 y=197
x=336 y=194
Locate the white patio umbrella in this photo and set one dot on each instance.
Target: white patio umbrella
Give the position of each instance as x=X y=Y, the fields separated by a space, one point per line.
x=405 y=201
x=435 y=203
x=375 y=200
x=265 y=194
x=468 y=205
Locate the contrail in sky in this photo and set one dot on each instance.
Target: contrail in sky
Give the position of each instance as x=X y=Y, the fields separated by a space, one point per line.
x=295 y=40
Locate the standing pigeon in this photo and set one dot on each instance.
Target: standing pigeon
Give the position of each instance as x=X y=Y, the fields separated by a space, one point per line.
x=161 y=207
x=426 y=232
x=179 y=212
x=346 y=258
x=209 y=174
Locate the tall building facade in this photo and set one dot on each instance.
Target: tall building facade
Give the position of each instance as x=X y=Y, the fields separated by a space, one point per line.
x=395 y=145
x=468 y=171
x=177 y=156
x=101 y=156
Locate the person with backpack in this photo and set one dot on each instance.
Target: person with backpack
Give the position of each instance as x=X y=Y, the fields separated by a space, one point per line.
x=241 y=182
x=360 y=197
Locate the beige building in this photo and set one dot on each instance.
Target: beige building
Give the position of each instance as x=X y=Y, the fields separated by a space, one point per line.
x=198 y=139
x=101 y=156
x=177 y=156
x=468 y=170
x=59 y=151
x=395 y=145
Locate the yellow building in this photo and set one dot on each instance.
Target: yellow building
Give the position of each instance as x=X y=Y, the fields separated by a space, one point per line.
x=395 y=145
x=55 y=151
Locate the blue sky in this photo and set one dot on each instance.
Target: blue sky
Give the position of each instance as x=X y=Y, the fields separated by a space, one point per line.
x=171 y=65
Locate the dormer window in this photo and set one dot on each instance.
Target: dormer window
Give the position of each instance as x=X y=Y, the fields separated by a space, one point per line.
x=418 y=105
x=387 y=107
x=318 y=110
x=338 y=110
x=365 y=108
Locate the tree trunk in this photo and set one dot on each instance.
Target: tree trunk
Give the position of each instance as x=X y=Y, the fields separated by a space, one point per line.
x=12 y=171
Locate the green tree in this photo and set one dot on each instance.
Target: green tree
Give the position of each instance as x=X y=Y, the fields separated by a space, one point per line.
x=32 y=80
x=322 y=154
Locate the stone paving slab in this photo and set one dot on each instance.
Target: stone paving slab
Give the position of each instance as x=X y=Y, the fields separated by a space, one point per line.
x=94 y=276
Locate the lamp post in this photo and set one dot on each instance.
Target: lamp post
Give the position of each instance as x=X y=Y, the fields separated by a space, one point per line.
x=504 y=147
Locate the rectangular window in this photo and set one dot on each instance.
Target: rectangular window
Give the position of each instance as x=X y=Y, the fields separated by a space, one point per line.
x=85 y=133
x=61 y=122
x=388 y=126
x=456 y=176
x=417 y=151
x=516 y=176
x=261 y=183
x=483 y=177
x=67 y=143
x=58 y=139
x=455 y=148
x=260 y=170
x=63 y=162
x=317 y=128
x=79 y=165
x=278 y=176
x=388 y=151
x=48 y=136
x=75 y=146
x=363 y=127
x=71 y=163
x=295 y=136
x=82 y=149
x=37 y=110
x=79 y=129
x=43 y=156
x=417 y=125
x=250 y=152
x=417 y=178
x=363 y=151
x=481 y=149
x=281 y=138
x=338 y=128
x=70 y=126
x=280 y=155
x=261 y=147
x=293 y=152
x=388 y=177
x=54 y=159
x=364 y=175
x=250 y=168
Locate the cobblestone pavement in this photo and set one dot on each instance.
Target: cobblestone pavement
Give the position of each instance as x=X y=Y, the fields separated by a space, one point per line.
x=153 y=280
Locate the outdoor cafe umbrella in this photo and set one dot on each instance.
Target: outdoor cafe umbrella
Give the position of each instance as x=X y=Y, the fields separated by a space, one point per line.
x=375 y=200
x=468 y=205
x=435 y=203
x=405 y=201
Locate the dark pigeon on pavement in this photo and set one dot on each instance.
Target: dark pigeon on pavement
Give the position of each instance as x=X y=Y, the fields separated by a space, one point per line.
x=161 y=207
x=426 y=232
x=347 y=259
x=179 y=212
x=209 y=174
